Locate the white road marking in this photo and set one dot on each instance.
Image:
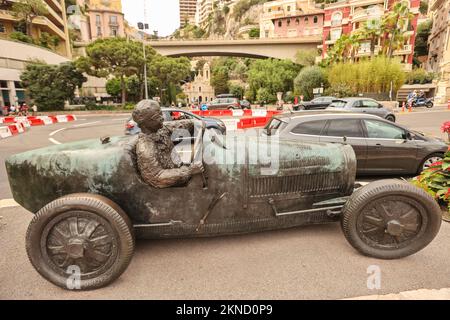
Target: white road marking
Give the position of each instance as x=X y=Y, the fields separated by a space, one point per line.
x=121 y=119
x=54 y=141
x=56 y=131
x=8 y=203
x=85 y=124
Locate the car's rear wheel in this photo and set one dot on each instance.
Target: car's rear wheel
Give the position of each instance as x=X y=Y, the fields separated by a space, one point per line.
x=429 y=160
x=390 y=118
x=390 y=219
x=80 y=241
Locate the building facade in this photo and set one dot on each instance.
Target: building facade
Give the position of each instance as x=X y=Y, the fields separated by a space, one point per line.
x=347 y=16
x=53 y=23
x=205 y=7
x=200 y=90
x=291 y=18
x=439 y=52
x=187 y=12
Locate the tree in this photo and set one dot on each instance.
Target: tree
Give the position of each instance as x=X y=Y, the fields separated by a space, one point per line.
x=254 y=33
x=423 y=32
x=116 y=57
x=219 y=80
x=169 y=72
x=51 y=85
x=396 y=21
x=309 y=78
x=237 y=90
x=306 y=57
x=272 y=74
x=263 y=95
x=28 y=10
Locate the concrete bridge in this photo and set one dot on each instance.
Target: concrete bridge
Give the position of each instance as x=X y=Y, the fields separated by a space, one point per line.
x=285 y=48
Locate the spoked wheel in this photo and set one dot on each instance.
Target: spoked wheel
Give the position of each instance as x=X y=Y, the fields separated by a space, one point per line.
x=429 y=161
x=80 y=242
x=390 y=219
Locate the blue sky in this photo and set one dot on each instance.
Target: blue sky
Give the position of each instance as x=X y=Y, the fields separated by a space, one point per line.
x=162 y=15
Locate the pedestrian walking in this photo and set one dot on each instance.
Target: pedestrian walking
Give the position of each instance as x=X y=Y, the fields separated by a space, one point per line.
x=35 y=109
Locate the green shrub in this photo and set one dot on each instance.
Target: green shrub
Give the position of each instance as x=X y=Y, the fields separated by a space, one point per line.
x=309 y=78
x=264 y=96
x=367 y=76
x=19 y=36
x=419 y=76
x=254 y=33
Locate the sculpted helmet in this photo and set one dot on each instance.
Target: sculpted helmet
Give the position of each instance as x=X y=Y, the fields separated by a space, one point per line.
x=148 y=116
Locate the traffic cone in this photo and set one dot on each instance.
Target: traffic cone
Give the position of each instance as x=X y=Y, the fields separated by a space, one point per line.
x=448 y=104
x=403 y=106
x=410 y=107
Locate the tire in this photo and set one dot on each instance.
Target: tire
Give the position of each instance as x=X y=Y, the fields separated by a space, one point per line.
x=390 y=118
x=432 y=158
x=97 y=255
x=410 y=222
x=430 y=105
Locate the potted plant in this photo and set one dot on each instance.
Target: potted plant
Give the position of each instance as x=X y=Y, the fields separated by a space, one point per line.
x=436 y=181
x=446 y=129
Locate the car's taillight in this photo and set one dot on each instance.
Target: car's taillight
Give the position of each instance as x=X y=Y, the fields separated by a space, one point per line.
x=129 y=125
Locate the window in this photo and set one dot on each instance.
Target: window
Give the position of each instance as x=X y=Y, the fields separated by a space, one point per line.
x=280 y=23
x=382 y=130
x=98 y=20
x=335 y=34
x=316 y=19
x=345 y=128
x=2 y=28
x=114 y=32
x=199 y=89
x=369 y=104
x=338 y=104
x=297 y=21
x=288 y=8
x=113 y=19
x=99 y=31
x=288 y=22
x=311 y=128
x=306 y=20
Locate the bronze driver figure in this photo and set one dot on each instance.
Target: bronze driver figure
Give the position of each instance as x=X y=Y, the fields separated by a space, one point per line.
x=159 y=165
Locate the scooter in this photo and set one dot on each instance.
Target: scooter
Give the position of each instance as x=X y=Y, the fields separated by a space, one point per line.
x=423 y=102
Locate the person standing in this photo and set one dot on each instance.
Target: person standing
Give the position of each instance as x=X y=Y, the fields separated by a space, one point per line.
x=35 y=109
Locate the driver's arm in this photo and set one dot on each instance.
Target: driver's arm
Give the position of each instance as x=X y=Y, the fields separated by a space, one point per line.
x=153 y=173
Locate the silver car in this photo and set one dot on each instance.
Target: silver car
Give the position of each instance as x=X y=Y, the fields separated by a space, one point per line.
x=362 y=105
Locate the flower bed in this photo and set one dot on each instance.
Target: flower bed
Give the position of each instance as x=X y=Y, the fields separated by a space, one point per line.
x=436 y=181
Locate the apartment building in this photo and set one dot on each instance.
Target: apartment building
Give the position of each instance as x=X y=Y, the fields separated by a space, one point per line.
x=291 y=18
x=347 y=16
x=206 y=7
x=187 y=12
x=53 y=23
x=106 y=18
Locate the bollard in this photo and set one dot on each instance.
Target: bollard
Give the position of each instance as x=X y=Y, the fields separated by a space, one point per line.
x=403 y=106
x=448 y=104
x=410 y=107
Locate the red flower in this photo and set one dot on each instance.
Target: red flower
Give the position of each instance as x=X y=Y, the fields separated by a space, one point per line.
x=436 y=164
x=446 y=127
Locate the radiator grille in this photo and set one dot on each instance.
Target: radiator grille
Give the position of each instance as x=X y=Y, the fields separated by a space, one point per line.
x=273 y=186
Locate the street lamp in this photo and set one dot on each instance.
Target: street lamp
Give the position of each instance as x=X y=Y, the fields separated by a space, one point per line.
x=144 y=26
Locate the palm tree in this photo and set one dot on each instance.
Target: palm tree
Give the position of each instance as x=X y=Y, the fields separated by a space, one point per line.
x=395 y=22
x=28 y=10
x=372 y=31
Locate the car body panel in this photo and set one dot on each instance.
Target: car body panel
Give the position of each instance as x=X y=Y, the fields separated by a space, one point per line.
x=239 y=197
x=362 y=105
x=374 y=155
x=315 y=104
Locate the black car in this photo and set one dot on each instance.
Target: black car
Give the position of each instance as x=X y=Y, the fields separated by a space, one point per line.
x=362 y=105
x=174 y=114
x=315 y=104
x=381 y=147
x=225 y=103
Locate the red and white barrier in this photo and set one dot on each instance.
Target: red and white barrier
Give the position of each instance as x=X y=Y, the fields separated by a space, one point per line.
x=236 y=113
x=5 y=132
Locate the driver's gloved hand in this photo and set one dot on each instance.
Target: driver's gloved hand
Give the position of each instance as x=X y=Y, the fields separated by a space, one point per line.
x=197 y=168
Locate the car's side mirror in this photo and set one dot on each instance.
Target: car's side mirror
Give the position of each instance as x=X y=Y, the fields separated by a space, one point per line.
x=409 y=136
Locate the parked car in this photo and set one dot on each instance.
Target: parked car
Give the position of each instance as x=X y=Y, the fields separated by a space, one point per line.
x=225 y=103
x=173 y=114
x=381 y=147
x=90 y=202
x=314 y=104
x=245 y=104
x=363 y=105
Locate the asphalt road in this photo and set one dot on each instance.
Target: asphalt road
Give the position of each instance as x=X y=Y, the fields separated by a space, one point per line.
x=312 y=262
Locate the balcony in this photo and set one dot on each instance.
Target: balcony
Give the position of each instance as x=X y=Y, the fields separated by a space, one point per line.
x=365 y=51
x=406 y=49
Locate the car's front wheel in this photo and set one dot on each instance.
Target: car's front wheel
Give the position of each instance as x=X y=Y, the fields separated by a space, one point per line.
x=80 y=241
x=429 y=160
x=390 y=219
